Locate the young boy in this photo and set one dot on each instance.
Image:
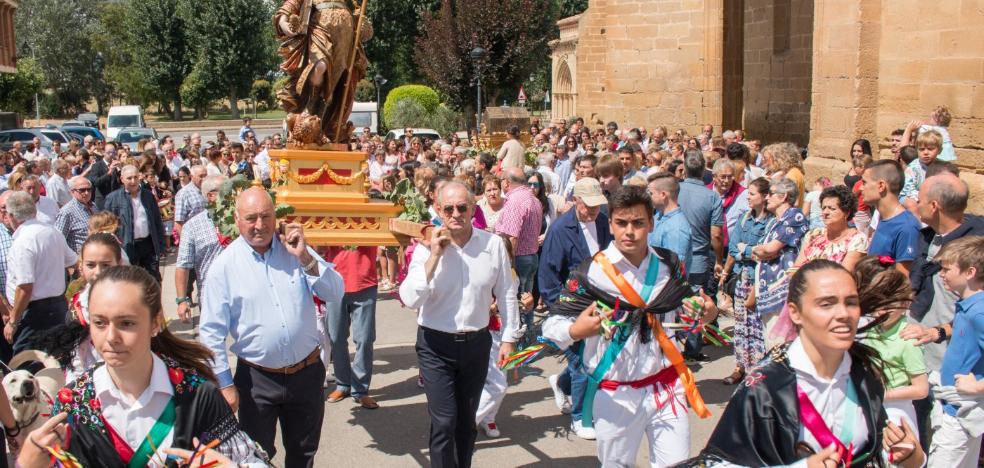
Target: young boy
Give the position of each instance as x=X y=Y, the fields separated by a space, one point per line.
x=897 y=233
x=962 y=271
x=929 y=144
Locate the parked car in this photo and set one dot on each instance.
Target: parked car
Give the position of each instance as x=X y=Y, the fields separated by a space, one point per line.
x=88 y=119
x=27 y=135
x=130 y=136
x=79 y=132
x=422 y=133
x=123 y=117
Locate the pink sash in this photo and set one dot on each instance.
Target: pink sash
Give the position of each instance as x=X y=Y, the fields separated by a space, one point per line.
x=814 y=423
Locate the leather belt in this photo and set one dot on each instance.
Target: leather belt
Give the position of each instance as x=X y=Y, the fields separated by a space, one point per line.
x=312 y=358
x=330 y=5
x=459 y=337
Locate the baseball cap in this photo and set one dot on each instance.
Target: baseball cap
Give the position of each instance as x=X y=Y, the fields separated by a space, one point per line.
x=588 y=189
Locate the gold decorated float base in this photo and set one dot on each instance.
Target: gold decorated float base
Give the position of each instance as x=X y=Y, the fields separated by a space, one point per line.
x=328 y=190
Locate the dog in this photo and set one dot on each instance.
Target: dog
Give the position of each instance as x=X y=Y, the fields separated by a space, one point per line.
x=31 y=395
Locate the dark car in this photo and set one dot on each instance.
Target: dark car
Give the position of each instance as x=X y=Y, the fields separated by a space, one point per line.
x=88 y=119
x=79 y=133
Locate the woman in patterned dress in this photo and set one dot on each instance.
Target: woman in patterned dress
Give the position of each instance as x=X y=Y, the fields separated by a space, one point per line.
x=836 y=241
x=749 y=344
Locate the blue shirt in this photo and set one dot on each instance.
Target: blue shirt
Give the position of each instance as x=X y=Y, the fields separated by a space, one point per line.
x=897 y=237
x=963 y=356
x=702 y=207
x=265 y=302
x=747 y=233
x=562 y=167
x=671 y=231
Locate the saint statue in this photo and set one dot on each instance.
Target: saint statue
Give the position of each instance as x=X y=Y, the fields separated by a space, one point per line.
x=317 y=40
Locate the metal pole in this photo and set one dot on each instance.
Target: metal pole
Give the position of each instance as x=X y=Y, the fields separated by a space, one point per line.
x=478 y=114
x=379 y=108
x=37 y=105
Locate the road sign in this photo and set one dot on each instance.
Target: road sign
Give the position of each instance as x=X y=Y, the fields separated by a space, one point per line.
x=522 y=96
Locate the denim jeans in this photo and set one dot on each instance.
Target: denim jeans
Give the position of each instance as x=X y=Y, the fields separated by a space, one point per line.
x=358 y=311
x=526 y=266
x=574 y=381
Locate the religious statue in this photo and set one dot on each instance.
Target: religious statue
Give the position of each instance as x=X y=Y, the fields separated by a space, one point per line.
x=323 y=62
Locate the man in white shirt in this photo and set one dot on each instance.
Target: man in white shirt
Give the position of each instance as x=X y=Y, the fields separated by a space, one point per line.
x=47 y=209
x=472 y=267
x=141 y=227
x=35 y=285
x=546 y=169
x=57 y=186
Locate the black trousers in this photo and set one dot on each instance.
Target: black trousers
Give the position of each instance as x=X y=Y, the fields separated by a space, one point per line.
x=40 y=315
x=295 y=400
x=145 y=256
x=454 y=370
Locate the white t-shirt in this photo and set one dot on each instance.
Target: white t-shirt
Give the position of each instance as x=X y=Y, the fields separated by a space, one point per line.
x=590 y=231
x=39 y=256
x=141 y=225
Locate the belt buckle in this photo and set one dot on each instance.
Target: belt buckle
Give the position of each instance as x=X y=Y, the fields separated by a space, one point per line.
x=460 y=337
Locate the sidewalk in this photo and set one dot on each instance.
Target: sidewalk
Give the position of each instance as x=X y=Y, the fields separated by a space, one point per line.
x=534 y=433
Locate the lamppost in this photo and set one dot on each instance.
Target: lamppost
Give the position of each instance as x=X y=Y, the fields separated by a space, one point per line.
x=478 y=56
x=379 y=81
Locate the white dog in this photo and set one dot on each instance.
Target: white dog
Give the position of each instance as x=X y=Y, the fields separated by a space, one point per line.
x=31 y=395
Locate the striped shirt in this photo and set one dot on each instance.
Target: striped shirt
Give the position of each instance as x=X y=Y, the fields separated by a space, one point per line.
x=73 y=223
x=199 y=246
x=188 y=202
x=5 y=242
x=521 y=217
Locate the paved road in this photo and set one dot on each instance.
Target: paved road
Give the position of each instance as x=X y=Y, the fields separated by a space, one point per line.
x=534 y=433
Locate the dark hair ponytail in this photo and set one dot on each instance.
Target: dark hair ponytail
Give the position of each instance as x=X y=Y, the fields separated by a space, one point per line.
x=188 y=354
x=861 y=353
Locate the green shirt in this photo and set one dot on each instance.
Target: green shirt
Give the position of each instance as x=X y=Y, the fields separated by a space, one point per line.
x=902 y=358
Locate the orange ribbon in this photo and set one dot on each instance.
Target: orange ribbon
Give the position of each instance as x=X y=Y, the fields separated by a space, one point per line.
x=667 y=346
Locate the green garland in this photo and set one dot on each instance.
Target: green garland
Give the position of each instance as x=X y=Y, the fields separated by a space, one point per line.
x=223 y=210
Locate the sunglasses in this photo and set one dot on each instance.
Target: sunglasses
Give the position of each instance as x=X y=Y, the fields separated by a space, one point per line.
x=82 y=190
x=534 y=185
x=450 y=209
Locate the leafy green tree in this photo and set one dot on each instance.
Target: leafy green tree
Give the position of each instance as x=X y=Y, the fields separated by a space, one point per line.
x=396 y=26
x=567 y=8
x=57 y=33
x=157 y=39
x=17 y=89
x=512 y=31
x=197 y=91
x=232 y=43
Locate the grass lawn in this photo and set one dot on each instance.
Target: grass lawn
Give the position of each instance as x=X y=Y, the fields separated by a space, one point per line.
x=218 y=115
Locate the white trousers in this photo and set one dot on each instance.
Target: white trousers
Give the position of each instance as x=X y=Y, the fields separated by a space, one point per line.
x=902 y=409
x=624 y=415
x=952 y=446
x=495 y=386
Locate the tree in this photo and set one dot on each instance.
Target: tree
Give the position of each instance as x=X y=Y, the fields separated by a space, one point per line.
x=17 y=90
x=512 y=31
x=395 y=30
x=567 y=8
x=57 y=33
x=159 y=47
x=232 y=42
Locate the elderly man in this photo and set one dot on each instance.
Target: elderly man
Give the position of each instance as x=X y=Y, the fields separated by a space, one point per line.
x=5 y=241
x=56 y=187
x=520 y=221
x=546 y=168
x=198 y=248
x=261 y=293
x=35 y=285
x=35 y=150
x=104 y=174
x=734 y=199
x=575 y=236
x=189 y=201
x=141 y=227
x=47 y=209
x=453 y=282
x=73 y=218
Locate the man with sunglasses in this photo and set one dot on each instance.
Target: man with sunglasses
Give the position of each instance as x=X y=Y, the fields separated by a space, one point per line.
x=453 y=280
x=73 y=218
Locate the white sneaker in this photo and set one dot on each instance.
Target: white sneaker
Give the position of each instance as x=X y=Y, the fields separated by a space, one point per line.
x=491 y=430
x=586 y=433
x=562 y=400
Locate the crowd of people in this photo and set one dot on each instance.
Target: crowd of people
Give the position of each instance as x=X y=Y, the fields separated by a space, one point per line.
x=856 y=303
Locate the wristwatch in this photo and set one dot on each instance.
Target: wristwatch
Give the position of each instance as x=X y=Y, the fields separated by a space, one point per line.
x=181 y=300
x=942 y=335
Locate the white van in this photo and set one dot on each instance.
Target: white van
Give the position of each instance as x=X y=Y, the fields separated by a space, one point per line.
x=122 y=117
x=364 y=115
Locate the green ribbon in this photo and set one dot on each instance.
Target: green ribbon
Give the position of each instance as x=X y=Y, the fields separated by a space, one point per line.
x=154 y=438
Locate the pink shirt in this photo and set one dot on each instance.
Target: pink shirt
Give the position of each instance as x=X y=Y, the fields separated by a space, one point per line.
x=521 y=217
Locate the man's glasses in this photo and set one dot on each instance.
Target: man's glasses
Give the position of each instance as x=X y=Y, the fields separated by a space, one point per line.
x=82 y=190
x=450 y=209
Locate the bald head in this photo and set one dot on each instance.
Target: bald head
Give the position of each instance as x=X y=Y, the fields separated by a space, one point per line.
x=452 y=189
x=515 y=175
x=948 y=191
x=255 y=218
x=253 y=198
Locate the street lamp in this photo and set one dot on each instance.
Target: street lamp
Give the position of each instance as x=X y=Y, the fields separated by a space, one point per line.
x=380 y=81
x=478 y=56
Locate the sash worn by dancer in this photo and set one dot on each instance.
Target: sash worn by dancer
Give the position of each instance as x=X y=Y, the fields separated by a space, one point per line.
x=637 y=378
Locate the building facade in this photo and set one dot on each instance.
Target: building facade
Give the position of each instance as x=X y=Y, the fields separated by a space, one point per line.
x=8 y=48
x=820 y=73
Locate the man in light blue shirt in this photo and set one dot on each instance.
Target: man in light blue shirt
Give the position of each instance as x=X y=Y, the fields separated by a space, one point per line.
x=671 y=230
x=261 y=292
